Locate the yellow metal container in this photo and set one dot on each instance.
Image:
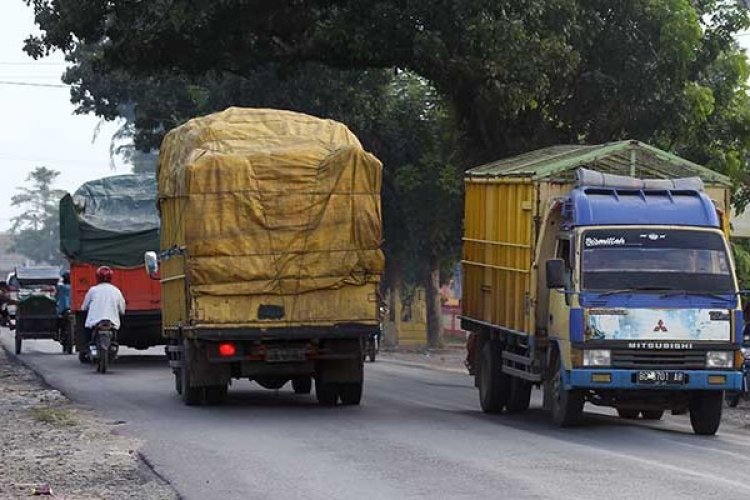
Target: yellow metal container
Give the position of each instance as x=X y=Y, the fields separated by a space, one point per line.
x=505 y=204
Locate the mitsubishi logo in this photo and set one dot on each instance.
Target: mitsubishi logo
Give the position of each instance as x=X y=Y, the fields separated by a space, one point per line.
x=660 y=326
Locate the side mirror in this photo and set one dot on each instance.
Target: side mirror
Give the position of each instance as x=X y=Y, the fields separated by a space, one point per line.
x=555 y=269
x=152 y=264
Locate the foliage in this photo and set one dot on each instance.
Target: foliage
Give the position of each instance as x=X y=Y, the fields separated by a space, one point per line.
x=36 y=231
x=741 y=251
x=400 y=117
x=519 y=74
x=475 y=80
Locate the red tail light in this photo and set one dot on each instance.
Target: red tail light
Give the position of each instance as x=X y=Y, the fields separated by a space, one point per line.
x=227 y=349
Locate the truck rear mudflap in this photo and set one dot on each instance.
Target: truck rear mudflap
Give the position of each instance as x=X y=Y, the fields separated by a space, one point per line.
x=657 y=380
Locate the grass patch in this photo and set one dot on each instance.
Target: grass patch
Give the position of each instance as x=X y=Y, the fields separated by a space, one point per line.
x=54 y=416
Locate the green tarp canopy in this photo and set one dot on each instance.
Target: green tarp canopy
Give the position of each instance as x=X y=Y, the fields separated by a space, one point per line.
x=110 y=221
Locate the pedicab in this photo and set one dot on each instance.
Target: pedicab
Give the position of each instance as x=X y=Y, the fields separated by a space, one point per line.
x=36 y=312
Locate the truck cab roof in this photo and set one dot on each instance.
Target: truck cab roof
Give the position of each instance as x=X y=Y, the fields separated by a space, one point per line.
x=601 y=199
x=594 y=206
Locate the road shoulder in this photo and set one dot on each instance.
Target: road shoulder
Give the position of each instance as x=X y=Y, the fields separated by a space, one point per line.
x=47 y=442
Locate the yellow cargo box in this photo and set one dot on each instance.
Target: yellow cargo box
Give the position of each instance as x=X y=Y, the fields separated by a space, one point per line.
x=269 y=219
x=506 y=201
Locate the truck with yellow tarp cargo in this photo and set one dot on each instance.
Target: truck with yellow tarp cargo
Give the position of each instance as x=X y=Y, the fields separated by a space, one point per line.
x=602 y=274
x=270 y=256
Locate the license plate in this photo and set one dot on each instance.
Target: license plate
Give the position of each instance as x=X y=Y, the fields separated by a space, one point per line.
x=285 y=355
x=660 y=377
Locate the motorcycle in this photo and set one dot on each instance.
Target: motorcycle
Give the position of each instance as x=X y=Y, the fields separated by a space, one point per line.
x=104 y=347
x=733 y=398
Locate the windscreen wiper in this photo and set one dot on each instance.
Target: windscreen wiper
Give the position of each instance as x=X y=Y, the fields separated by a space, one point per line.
x=713 y=295
x=633 y=289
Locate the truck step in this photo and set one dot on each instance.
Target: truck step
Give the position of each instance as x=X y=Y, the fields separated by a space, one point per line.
x=526 y=371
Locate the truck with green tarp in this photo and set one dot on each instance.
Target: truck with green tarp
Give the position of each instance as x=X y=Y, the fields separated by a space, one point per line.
x=112 y=221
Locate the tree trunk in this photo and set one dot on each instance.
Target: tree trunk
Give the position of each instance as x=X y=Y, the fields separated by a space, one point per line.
x=392 y=283
x=434 y=309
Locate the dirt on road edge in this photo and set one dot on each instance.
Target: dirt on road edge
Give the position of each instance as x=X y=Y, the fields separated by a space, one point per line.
x=48 y=442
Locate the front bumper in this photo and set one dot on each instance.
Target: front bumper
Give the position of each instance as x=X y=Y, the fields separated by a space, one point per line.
x=696 y=380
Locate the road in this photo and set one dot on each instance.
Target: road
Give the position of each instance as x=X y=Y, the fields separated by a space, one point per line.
x=418 y=434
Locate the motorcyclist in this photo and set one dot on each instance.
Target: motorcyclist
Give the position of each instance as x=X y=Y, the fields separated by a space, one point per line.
x=104 y=301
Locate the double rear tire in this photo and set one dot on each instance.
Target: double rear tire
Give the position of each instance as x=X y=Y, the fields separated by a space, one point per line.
x=329 y=393
x=494 y=385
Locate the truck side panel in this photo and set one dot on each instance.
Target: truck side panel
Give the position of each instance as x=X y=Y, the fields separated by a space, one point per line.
x=498 y=252
x=141 y=292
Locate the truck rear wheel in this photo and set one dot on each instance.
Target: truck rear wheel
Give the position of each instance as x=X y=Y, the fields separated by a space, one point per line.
x=520 y=395
x=705 y=412
x=652 y=414
x=351 y=393
x=216 y=394
x=627 y=413
x=302 y=385
x=326 y=392
x=567 y=405
x=191 y=395
x=494 y=385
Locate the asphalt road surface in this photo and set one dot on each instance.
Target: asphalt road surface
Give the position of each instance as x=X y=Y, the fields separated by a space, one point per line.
x=419 y=433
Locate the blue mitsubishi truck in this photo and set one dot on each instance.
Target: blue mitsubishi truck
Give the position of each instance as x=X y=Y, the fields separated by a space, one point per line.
x=612 y=290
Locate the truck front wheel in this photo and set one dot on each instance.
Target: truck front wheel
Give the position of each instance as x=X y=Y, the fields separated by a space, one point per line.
x=705 y=412
x=567 y=405
x=494 y=385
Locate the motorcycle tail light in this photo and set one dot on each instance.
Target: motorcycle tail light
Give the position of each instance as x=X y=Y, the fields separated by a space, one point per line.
x=227 y=349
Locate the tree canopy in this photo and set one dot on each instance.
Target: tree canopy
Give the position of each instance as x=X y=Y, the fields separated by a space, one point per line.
x=430 y=86
x=36 y=230
x=519 y=73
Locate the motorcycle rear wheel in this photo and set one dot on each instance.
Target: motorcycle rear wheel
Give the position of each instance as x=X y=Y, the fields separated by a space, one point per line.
x=103 y=362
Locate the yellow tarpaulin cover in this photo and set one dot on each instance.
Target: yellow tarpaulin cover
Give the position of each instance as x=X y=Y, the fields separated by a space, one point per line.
x=271 y=203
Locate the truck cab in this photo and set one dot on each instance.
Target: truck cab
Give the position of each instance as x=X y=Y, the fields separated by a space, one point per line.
x=638 y=301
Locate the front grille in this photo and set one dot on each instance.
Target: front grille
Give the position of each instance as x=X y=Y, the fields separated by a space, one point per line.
x=662 y=360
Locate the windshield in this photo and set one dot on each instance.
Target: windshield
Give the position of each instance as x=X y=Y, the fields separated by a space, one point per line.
x=693 y=261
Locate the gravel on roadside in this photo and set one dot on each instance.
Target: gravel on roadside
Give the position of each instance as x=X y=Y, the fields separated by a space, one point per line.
x=48 y=443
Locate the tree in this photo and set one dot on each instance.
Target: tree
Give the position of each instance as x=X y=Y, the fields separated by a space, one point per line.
x=398 y=116
x=36 y=230
x=511 y=76
x=519 y=74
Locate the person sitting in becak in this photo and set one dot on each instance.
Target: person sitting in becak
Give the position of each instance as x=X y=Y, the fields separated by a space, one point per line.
x=103 y=301
x=62 y=295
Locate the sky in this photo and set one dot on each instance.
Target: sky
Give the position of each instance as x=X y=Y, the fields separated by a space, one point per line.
x=37 y=124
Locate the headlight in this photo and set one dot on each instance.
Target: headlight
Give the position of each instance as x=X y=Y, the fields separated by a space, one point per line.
x=719 y=359
x=597 y=357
